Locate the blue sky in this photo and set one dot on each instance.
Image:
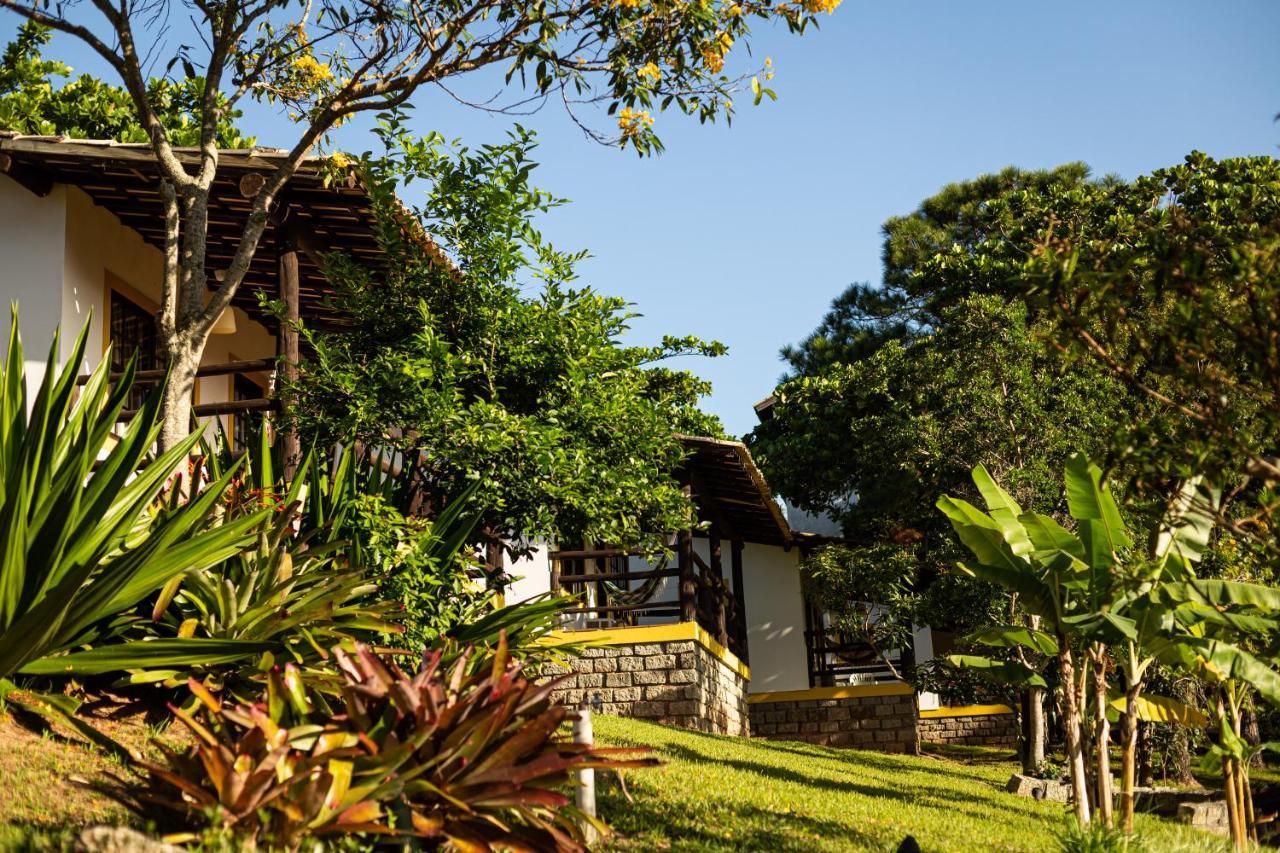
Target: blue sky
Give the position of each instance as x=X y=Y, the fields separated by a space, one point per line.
x=744 y=234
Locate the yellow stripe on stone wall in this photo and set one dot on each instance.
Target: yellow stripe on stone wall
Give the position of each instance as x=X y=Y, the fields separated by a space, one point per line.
x=849 y=691
x=967 y=711
x=669 y=633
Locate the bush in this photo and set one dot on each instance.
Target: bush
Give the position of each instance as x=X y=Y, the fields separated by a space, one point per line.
x=460 y=753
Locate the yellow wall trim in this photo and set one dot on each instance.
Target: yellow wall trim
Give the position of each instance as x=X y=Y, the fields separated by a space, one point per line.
x=967 y=711
x=669 y=633
x=849 y=691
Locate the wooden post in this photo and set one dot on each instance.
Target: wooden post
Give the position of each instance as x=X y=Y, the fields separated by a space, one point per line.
x=688 y=583
x=739 y=595
x=717 y=571
x=290 y=353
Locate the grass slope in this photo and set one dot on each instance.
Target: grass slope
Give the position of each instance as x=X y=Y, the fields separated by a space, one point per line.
x=721 y=793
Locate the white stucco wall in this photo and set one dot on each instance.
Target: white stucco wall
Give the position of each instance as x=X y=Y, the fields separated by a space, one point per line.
x=775 y=618
x=532 y=574
x=32 y=233
x=56 y=254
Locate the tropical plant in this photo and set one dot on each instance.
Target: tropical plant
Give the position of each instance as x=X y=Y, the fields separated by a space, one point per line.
x=459 y=753
x=85 y=538
x=1096 y=593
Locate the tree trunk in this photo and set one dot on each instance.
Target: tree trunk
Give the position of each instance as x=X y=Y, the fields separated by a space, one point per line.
x=1071 y=725
x=1129 y=754
x=183 y=363
x=1231 y=788
x=1250 y=732
x=1102 y=735
x=1036 y=734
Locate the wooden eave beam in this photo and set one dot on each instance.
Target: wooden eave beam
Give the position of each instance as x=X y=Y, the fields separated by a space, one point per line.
x=36 y=181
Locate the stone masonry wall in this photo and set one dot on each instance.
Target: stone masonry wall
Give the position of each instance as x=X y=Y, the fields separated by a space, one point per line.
x=976 y=730
x=676 y=682
x=885 y=723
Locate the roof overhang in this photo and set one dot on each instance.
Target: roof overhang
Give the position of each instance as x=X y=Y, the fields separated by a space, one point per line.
x=311 y=214
x=730 y=491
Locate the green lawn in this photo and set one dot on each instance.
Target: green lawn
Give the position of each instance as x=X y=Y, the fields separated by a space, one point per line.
x=721 y=793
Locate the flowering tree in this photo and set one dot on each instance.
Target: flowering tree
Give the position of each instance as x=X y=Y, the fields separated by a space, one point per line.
x=323 y=62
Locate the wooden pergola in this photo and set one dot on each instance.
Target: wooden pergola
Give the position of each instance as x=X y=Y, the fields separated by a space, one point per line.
x=734 y=506
x=314 y=215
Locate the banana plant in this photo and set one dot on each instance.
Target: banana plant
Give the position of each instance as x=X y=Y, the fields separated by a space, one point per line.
x=1051 y=572
x=84 y=536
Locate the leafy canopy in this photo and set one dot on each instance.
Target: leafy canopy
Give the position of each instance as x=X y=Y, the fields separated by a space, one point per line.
x=31 y=101
x=479 y=356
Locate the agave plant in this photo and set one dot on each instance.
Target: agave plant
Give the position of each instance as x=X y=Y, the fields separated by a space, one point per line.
x=447 y=754
x=310 y=580
x=83 y=537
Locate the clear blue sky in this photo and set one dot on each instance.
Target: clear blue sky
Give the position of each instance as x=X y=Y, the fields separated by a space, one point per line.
x=744 y=234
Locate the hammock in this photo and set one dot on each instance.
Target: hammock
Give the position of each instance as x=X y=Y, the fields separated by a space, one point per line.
x=640 y=595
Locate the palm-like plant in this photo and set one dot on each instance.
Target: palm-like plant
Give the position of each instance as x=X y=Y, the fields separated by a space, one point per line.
x=83 y=537
x=1091 y=588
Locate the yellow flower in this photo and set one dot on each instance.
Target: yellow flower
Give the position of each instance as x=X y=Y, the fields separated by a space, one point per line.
x=629 y=4
x=631 y=122
x=312 y=71
x=726 y=41
x=768 y=62
x=712 y=60
x=650 y=72
x=734 y=11
x=816 y=6
x=340 y=160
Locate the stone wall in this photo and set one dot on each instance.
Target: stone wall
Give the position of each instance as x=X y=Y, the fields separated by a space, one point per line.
x=884 y=723
x=992 y=729
x=678 y=682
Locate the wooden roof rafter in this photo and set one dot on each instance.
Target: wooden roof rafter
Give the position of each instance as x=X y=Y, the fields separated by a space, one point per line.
x=123 y=179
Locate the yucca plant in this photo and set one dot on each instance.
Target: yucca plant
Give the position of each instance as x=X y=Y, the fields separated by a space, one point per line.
x=449 y=754
x=83 y=537
x=309 y=581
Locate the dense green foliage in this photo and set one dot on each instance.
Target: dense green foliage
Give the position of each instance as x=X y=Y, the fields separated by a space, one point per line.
x=479 y=357
x=907 y=385
x=31 y=101
x=1171 y=282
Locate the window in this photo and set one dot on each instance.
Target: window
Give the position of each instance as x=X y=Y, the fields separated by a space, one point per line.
x=133 y=330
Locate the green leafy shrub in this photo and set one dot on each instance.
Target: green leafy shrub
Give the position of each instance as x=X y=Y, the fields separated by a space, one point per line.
x=83 y=536
x=455 y=752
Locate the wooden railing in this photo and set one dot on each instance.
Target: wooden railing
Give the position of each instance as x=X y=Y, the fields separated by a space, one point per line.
x=611 y=594
x=142 y=378
x=836 y=659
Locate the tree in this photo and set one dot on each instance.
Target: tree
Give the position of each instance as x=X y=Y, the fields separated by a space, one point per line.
x=498 y=371
x=87 y=108
x=324 y=64
x=956 y=222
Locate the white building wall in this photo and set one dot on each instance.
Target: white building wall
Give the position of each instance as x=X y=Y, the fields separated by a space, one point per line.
x=32 y=233
x=775 y=618
x=97 y=245
x=532 y=574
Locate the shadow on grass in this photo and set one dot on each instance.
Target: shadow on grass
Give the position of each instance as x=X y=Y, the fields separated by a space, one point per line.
x=755 y=829
x=835 y=772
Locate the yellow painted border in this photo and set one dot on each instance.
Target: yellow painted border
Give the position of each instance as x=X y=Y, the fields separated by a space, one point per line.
x=669 y=633
x=849 y=691
x=966 y=711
